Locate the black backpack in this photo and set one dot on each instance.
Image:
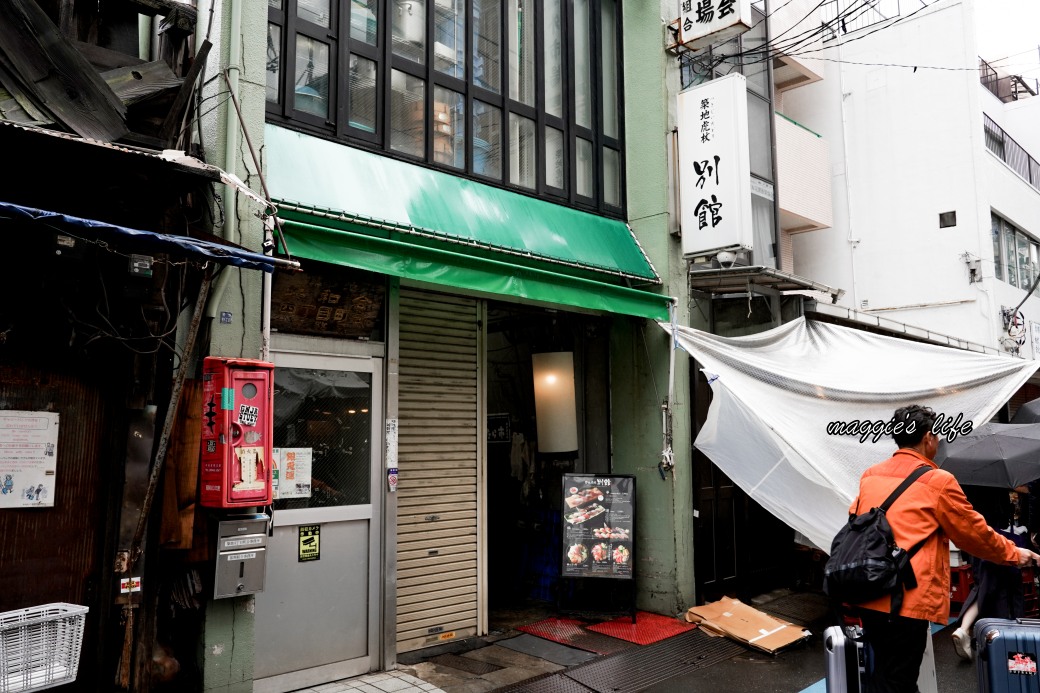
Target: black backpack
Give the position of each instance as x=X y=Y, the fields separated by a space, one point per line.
x=865 y=562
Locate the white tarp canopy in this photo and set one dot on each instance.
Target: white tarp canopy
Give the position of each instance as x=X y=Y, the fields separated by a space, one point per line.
x=774 y=394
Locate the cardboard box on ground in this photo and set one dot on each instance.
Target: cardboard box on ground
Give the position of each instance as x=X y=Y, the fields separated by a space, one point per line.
x=736 y=620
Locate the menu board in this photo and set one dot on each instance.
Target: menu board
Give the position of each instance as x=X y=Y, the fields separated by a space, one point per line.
x=598 y=514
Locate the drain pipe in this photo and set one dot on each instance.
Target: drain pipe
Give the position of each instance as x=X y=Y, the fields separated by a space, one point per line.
x=230 y=196
x=850 y=237
x=667 y=464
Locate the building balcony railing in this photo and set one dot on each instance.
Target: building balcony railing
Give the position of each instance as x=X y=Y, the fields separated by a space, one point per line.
x=846 y=16
x=1006 y=88
x=1011 y=152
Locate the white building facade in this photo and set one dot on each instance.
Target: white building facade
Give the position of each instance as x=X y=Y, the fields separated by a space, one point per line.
x=933 y=177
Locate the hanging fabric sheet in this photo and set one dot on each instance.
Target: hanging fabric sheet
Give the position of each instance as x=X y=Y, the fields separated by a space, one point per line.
x=781 y=398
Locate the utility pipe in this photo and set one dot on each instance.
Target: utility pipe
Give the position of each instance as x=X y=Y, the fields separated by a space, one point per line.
x=230 y=148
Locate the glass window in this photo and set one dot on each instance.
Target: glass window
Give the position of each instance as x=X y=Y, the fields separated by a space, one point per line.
x=998 y=259
x=323 y=418
x=522 y=151
x=449 y=127
x=487 y=140
x=553 y=48
x=1025 y=268
x=1010 y=253
x=554 y=159
x=315 y=11
x=760 y=135
x=449 y=37
x=610 y=69
x=363 y=24
x=612 y=177
x=582 y=64
x=1034 y=267
x=487 y=44
x=514 y=92
x=586 y=169
x=756 y=69
x=762 y=231
x=407 y=113
x=312 y=76
x=274 y=62
x=362 y=93
x=521 y=51
x=408 y=34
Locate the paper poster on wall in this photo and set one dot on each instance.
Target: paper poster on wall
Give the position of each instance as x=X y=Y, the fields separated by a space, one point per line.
x=292 y=472
x=28 y=458
x=598 y=514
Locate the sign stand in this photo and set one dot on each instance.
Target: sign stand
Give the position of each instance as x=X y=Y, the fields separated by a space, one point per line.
x=598 y=514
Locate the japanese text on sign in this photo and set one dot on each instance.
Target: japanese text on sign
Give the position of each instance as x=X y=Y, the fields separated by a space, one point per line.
x=28 y=458
x=598 y=514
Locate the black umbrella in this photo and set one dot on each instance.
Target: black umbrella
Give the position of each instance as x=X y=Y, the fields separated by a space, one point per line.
x=1028 y=413
x=994 y=454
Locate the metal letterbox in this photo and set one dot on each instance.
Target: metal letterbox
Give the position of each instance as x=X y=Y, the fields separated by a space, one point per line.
x=241 y=556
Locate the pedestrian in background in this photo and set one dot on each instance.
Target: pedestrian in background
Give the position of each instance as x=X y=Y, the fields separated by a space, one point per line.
x=997 y=590
x=931 y=511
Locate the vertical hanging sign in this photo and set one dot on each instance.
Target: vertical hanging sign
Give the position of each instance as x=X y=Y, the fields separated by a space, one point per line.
x=714 y=167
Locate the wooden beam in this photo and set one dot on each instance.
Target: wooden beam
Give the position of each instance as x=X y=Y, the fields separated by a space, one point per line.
x=133 y=84
x=188 y=14
x=170 y=127
x=106 y=58
x=58 y=75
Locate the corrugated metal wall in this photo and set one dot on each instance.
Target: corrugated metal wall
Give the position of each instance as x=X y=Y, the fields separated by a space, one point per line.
x=53 y=554
x=441 y=442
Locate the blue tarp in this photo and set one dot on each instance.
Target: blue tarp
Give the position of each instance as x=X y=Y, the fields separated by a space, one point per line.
x=183 y=246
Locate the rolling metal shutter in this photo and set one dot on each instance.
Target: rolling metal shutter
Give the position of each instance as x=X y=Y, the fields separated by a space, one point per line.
x=440 y=448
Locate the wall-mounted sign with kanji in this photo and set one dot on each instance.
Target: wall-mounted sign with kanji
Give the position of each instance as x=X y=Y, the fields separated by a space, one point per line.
x=714 y=167
x=703 y=22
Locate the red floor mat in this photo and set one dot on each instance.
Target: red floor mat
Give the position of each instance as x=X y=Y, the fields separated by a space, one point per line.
x=569 y=631
x=648 y=628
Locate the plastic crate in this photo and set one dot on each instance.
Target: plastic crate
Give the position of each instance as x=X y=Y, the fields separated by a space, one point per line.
x=40 y=646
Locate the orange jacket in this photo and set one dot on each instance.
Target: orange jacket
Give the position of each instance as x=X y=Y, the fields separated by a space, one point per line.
x=935 y=507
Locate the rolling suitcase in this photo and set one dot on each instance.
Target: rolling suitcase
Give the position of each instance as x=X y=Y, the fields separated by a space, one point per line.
x=1006 y=655
x=846 y=659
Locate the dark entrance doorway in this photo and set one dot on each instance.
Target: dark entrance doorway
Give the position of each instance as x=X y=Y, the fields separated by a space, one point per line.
x=740 y=549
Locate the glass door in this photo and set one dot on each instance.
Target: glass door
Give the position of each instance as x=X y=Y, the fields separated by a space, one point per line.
x=318 y=616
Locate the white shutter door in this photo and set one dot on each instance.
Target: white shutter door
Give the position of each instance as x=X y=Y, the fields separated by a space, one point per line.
x=439 y=452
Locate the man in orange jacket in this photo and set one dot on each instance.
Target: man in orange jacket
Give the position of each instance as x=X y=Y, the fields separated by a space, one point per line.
x=934 y=510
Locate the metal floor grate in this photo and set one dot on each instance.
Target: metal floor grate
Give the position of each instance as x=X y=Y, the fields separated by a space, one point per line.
x=472 y=666
x=546 y=683
x=800 y=609
x=636 y=669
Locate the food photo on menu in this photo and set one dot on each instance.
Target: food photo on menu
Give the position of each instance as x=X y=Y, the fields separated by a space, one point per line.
x=577 y=498
x=584 y=514
x=606 y=532
x=621 y=554
x=577 y=553
x=600 y=552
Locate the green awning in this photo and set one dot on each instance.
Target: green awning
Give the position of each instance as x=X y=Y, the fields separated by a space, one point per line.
x=350 y=207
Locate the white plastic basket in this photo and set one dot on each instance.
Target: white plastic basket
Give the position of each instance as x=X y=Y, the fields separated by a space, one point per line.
x=40 y=646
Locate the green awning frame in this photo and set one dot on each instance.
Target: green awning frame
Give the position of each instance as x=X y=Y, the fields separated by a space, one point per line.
x=350 y=207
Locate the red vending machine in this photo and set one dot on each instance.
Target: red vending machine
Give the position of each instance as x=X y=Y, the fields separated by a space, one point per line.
x=237 y=425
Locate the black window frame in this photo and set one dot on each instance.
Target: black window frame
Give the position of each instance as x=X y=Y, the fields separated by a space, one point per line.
x=337 y=127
